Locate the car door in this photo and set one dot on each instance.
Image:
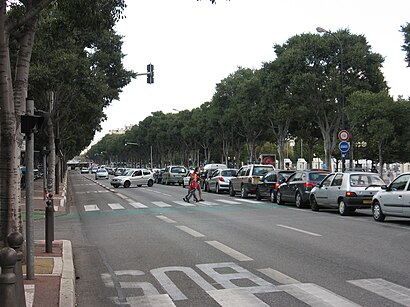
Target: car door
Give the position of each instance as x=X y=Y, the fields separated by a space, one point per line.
x=406 y=199
x=136 y=177
x=321 y=190
x=213 y=179
x=393 y=199
x=146 y=175
x=334 y=190
x=293 y=186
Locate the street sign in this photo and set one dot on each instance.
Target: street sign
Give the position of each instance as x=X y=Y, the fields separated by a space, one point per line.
x=343 y=135
x=344 y=146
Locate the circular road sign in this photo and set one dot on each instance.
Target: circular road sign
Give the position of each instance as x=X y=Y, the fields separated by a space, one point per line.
x=343 y=135
x=344 y=146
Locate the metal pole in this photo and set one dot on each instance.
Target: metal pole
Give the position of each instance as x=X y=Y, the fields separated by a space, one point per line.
x=49 y=229
x=30 y=195
x=151 y=157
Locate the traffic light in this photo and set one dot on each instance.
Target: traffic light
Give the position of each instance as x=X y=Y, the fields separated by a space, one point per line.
x=150 y=73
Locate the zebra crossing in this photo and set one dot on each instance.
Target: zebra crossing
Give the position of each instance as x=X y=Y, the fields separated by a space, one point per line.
x=165 y=204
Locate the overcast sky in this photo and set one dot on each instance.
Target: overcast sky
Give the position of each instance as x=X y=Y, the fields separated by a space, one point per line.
x=193 y=45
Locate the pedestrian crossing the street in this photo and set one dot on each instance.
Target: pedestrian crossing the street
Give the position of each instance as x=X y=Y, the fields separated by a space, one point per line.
x=166 y=204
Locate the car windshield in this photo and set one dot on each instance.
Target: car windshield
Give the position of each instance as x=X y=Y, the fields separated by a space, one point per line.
x=364 y=180
x=228 y=173
x=128 y=172
x=317 y=177
x=261 y=170
x=178 y=170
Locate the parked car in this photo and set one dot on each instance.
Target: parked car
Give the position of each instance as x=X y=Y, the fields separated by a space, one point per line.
x=393 y=200
x=159 y=176
x=174 y=174
x=187 y=179
x=94 y=169
x=296 y=189
x=101 y=173
x=247 y=178
x=269 y=184
x=119 y=171
x=219 y=180
x=85 y=170
x=133 y=177
x=207 y=171
x=346 y=191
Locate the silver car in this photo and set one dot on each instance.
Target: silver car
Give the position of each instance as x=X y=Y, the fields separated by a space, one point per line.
x=219 y=180
x=346 y=191
x=393 y=200
x=133 y=177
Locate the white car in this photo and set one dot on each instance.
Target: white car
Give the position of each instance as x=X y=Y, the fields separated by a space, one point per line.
x=85 y=170
x=394 y=200
x=133 y=177
x=187 y=179
x=101 y=173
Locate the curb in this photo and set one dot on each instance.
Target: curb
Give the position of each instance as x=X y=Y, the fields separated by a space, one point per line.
x=67 y=286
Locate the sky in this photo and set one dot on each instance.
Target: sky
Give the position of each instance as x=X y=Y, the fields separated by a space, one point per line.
x=193 y=45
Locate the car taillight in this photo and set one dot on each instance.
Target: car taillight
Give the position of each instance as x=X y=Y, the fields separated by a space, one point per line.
x=350 y=194
x=309 y=184
x=277 y=184
x=250 y=179
x=221 y=179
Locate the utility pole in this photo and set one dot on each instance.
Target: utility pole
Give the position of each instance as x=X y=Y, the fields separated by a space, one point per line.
x=29 y=177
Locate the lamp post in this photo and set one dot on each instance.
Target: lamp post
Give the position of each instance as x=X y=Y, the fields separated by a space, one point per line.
x=342 y=98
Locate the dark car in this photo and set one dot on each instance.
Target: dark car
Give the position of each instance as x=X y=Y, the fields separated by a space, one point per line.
x=269 y=184
x=296 y=189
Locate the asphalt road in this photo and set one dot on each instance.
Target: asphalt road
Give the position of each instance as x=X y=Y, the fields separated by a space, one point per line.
x=145 y=247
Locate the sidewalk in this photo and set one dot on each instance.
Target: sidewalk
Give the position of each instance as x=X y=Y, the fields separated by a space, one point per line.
x=54 y=282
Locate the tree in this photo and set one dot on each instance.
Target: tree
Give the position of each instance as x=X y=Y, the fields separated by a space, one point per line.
x=18 y=20
x=373 y=117
x=406 y=47
x=313 y=68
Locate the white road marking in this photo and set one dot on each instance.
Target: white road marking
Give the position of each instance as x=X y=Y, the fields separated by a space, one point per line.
x=161 y=204
x=190 y=231
x=207 y=203
x=226 y=201
x=278 y=276
x=137 y=205
x=249 y=201
x=389 y=290
x=165 y=219
x=229 y=251
x=316 y=296
x=183 y=203
x=236 y=297
x=116 y=206
x=122 y=195
x=91 y=208
x=300 y=230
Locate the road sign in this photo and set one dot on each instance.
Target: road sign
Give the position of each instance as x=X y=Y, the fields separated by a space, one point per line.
x=344 y=146
x=343 y=135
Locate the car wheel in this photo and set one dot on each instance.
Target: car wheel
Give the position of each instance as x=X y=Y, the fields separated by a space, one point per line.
x=217 y=190
x=150 y=183
x=115 y=186
x=378 y=214
x=258 y=195
x=313 y=204
x=279 y=198
x=231 y=190
x=244 y=193
x=127 y=184
x=298 y=200
x=272 y=197
x=343 y=210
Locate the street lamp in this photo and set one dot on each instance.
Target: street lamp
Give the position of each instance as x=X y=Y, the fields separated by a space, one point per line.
x=342 y=98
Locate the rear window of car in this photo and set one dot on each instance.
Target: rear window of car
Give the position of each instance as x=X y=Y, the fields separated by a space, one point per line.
x=178 y=170
x=228 y=173
x=360 y=180
x=317 y=177
x=261 y=170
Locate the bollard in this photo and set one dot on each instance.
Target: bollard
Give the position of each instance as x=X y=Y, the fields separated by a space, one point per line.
x=49 y=224
x=8 y=259
x=15 y=241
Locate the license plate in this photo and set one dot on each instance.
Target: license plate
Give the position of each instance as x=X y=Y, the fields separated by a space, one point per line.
x=255 y=180
x=367 y=201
